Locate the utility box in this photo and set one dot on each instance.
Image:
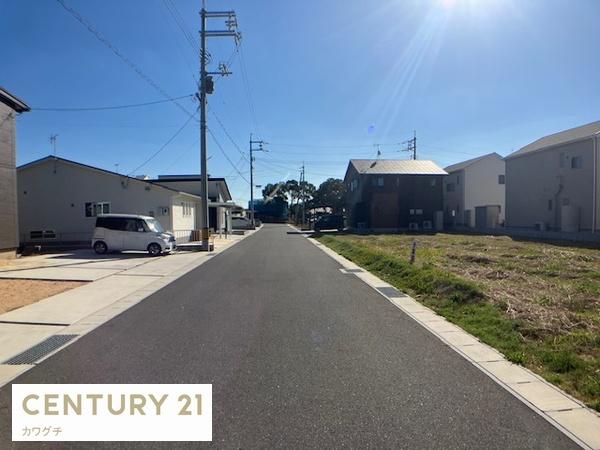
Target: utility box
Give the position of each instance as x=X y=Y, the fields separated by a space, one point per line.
x=487 y=216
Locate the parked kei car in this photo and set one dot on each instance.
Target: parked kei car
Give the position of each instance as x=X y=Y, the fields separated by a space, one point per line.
x=330 y=222
x=131 y=232
x=241 y=223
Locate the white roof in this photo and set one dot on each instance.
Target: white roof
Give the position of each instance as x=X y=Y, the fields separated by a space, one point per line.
x=128 y=216
x=397 y=166
x=572 y=134
x=463 y=165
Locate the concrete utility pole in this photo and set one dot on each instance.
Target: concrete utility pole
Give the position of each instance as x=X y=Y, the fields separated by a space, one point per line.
x=206 y=87
x=411 y=146
x=252 y=150
x=302 y=185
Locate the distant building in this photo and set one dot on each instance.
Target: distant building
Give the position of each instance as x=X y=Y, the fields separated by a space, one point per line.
x=394 y=194
x=474 y=194
x=274 y=210
x=553 y=182
x=60 y=199
x=10 y=106
x=219 y=197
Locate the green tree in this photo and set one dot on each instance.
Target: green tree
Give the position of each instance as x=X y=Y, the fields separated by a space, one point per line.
x=331 y=193
x=275 y=191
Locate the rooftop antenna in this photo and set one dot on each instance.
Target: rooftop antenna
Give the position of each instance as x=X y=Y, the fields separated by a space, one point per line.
x=53 y=143
x=117 y=167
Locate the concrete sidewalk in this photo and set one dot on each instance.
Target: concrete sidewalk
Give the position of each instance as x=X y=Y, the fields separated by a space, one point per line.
x=120 y=283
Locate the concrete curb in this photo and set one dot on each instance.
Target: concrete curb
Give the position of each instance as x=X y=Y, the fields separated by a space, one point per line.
x=569 y=415
x=94 y=320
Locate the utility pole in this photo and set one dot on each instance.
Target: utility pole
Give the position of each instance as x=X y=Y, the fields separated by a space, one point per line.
x=252 y=150
x=302 y=185
x=207 y=87
x=411 y=145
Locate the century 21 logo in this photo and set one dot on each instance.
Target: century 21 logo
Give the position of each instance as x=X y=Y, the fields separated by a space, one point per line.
x=121 y=404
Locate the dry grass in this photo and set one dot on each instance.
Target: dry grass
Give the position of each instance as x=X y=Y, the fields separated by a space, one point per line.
x=17 y=293
x=553 y=289
x=540 y=302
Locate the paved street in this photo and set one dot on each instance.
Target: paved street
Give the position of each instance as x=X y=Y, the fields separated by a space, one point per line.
x=299 y=355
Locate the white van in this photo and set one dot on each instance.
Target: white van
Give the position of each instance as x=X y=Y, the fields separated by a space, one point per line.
x=131 y=232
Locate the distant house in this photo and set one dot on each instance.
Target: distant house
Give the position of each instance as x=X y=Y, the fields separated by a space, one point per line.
x=10 y=106
x=394 y=194
x=553 y=182
x=219 y=197
x=474 y=192
x=60 y=199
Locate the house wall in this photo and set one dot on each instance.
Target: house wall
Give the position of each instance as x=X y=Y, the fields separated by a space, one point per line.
x=52 y=196
x=539 y=184
x=8 y=184
x=482 y=188
x=454 y=201
x=194 y=187
x=355 y=210
x=401 y=200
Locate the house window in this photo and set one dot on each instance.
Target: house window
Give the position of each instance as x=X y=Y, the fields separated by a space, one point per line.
x=450 y=187
x=44 y=234
x=378 y=181
x=501 y=179
x=576 y=162
x=566 y=202
x=433 y=182
x=412 y=212
x=93 y=209
x=187 y=208
x=419 y=212
x=353 y=185
x=457 y=180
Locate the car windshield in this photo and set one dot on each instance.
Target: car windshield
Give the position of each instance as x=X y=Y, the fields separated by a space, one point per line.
x=155 y=225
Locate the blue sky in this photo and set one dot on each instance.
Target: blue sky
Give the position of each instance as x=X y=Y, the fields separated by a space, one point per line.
x=326 y=81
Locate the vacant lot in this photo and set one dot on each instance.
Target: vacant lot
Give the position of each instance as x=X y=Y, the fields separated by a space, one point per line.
x=538 y=303
x=17 y=293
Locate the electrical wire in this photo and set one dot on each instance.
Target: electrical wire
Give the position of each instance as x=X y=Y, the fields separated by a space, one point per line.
x=228 y=135
x=104 y=108
x=179 y=21
x=226 y=156
x=171 y=139
x=87 y=24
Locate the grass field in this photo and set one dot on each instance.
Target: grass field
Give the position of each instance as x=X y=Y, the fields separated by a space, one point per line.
x=538 y=303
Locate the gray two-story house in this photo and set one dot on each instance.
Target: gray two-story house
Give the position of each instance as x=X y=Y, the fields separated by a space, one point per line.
x=10 y=107
x=394 y=195
x=552 y=183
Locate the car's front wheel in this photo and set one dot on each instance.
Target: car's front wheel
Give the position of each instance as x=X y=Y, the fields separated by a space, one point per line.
x=154 y=249
x=100 y=248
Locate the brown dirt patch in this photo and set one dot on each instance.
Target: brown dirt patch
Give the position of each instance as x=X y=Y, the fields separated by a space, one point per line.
x=17 y=293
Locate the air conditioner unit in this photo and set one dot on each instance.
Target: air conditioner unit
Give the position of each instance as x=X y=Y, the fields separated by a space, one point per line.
x=163 y=211
x=427 y=225
x=413 y=226
x=540 y=226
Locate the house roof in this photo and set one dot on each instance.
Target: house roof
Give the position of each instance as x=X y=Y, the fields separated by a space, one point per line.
x=86 y=166
x=14 y=102
x=396 y=166
x=563 y=137
x=463 y=165
x=175 y=178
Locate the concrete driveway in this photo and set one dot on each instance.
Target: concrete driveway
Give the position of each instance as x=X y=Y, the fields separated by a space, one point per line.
x=76 y=265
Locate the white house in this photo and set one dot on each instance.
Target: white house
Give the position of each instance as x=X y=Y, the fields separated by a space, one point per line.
x=219 y=197
x=58 y=200
x=474 y=192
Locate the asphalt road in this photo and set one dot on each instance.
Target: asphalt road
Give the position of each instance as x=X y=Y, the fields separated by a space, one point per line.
x=299 y=355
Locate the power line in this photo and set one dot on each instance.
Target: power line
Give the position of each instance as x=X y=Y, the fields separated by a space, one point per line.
x=120 y=55
x=225 y=154
x=227 y=134
x=164 y=145
x=247 y=89
x=103 y=108
x=179 y=21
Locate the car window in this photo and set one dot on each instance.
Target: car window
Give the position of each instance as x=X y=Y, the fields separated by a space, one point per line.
x=130 y=225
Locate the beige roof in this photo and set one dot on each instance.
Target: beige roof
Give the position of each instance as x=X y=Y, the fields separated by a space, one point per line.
x=563 y=137
x=463 y=165
x=397 y=166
